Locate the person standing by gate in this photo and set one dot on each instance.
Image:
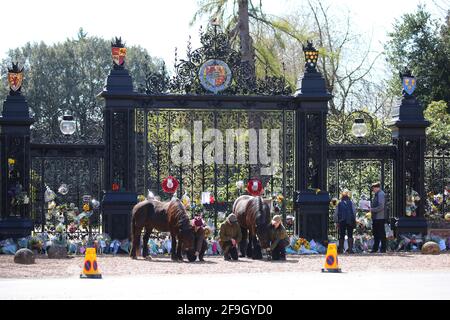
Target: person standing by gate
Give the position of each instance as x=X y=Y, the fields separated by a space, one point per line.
x=345 y=219
x=378 y=218
x=230 y=235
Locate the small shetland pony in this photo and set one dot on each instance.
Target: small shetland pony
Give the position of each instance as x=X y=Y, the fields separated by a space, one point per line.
x=253 y=216
x=165 y=217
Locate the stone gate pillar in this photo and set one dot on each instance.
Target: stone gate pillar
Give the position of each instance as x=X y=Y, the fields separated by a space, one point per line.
x=119 y=137
x=15 y=121
x=408 y=127
x=311 y=199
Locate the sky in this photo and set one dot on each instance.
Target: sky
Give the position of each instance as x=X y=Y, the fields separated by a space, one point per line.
x=160 y=26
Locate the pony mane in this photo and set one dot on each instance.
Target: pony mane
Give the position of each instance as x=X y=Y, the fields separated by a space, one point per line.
x=180 y=214
x=259 y=211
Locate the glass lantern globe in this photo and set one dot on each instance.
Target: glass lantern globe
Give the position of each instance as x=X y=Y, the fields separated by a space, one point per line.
x=359 y=128
x=68 y=125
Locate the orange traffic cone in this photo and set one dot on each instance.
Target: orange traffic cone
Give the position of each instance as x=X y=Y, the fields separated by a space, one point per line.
x=331 y=260
x=90 y=267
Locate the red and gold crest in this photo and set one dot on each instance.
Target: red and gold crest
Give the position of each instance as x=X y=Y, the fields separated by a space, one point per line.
x=217 y=74
x=118 y=55
x=15 y=80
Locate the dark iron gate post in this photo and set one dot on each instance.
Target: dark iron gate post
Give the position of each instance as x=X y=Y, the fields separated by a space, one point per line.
x=409 y=136
x=15 y=160
x=119 y=134
x=311 y=199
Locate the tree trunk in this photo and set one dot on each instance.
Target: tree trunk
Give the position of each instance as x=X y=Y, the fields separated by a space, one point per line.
x=247 y=57
x=247 y=50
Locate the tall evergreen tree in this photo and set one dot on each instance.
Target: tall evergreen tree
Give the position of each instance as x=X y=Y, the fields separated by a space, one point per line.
x=68 y=76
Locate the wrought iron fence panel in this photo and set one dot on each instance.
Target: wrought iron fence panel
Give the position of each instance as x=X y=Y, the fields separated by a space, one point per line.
x=437 y=178
x=154 y=144
x=357 y=176
x=83 y=175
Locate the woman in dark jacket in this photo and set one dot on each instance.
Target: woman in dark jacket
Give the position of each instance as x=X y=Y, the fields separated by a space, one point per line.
x=345 y=219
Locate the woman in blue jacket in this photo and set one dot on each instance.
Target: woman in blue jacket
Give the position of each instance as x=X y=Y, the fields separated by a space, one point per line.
x=345 y=219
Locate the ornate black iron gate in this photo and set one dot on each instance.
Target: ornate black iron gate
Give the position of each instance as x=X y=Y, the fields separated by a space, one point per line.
x=79 y=167
x=154 y=128
x=356 y=168
x=215 y=88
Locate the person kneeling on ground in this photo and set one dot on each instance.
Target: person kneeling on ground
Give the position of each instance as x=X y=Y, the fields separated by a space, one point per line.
x=230 y=235
x=278 y=238
x=200 y=244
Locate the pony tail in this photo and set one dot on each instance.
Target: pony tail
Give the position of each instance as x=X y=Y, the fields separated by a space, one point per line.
x=133 y=227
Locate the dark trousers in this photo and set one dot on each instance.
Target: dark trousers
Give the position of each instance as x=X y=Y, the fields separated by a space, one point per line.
x=379 y=235
x=279 y=253
x=199 y=238
x=229 y=251
x=191 y=254
x=345 y=228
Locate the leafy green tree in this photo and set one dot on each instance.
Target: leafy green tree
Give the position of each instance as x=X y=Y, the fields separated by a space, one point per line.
x=423 y=44
x=68 y=76
x=438 y=131
x=251 y=29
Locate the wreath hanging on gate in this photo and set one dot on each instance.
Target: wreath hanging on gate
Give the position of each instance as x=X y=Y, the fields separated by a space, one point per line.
x=254 y=187
x=170 y=185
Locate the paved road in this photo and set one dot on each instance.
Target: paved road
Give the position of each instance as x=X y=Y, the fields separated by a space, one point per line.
x=356 y=285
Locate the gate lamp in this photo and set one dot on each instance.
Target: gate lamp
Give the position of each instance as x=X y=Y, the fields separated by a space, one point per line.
x=359 y=128
x=68 y=125
x=311 y=56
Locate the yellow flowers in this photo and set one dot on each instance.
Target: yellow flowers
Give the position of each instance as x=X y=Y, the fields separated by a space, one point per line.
x=280 y=198
x=141 y=198
x=84 y=222
x=301 y=242
x=318 y=191
x=86 y=207
x=185 y=200
x=11 y=161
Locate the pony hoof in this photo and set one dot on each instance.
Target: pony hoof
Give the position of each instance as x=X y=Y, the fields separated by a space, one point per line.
x=148 y=258
x=134 y=258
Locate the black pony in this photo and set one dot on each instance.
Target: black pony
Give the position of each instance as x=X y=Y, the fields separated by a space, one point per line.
x=254 y=218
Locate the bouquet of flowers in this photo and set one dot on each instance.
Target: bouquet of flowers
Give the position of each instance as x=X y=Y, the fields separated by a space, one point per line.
x=411 y=203
x=411 y=242
x=18 y=195
x=300 y=242
x=435 y=206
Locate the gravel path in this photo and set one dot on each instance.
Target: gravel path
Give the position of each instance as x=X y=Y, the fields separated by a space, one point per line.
x=124 y=266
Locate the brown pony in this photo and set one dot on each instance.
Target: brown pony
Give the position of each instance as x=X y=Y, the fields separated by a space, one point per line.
x=254 y=218
x=165 y=217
